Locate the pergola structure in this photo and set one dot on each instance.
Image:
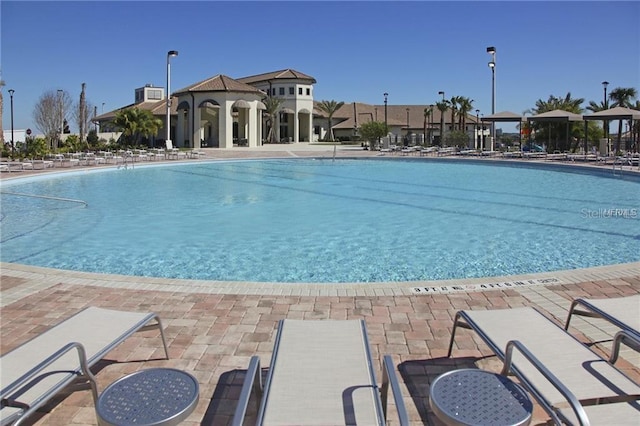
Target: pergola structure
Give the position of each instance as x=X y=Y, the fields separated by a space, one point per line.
x=505 y=116
x=617 y=113
x=556 y=116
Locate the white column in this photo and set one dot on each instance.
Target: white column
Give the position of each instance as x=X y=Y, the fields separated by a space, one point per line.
x=296 y=127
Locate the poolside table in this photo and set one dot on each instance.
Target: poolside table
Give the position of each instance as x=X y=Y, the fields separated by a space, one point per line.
x=155 y=396
x=479 y=397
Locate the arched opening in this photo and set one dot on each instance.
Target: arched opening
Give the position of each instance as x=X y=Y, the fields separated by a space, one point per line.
x=209 y=128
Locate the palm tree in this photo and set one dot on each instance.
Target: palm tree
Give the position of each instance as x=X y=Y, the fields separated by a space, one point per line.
x=453 y=102
x=272 y=106
x=442 y=107
x=622 y=97
x=329 y=108
x=465 y=106
x=427 y=114
x=566 y=103
x=136 y=123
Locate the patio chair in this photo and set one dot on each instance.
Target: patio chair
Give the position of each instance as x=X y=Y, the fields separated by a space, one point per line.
x=321 y=373
x=36 y=371
x=571 y=382
x=623 y=312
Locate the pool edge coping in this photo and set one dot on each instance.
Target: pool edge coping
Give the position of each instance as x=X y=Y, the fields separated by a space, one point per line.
x=39 y=278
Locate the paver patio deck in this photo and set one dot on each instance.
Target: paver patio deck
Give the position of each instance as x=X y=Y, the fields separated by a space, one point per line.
x=212 y=334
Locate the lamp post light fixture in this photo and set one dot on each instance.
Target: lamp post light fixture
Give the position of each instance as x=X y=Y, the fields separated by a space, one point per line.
x=170 y=54
x=102 y=112
x=13 y=146
x=492 y=64
x=477 y=128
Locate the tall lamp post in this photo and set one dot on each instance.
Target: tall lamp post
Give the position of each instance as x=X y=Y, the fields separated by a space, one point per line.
x=492 y=64
x=13 y=146
x=170 y=54
x=441 y=119
x=60 y=95
x=605 y=124
x=385 y=94
x=477 y=128
x=430 y=124
x=407 y=126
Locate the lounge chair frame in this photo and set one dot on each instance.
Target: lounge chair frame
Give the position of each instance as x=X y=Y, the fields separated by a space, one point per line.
x=589 y=308
x=66 y=371
x=463 y=320
x=253 y=384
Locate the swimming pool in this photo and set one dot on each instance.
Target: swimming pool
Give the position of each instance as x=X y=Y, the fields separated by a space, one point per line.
x=314 y=221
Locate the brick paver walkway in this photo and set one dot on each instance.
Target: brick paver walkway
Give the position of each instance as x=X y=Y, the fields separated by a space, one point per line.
x=213 y=334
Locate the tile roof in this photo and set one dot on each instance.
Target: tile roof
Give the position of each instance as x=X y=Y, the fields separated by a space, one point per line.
x=346 y=116
x=286 y=74
x=156 y=108
x=219 y=83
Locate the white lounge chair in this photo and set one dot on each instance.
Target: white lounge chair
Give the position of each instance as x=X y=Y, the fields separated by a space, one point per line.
x=321 y=373
x=36 y=371
x=571 y=382
x=623 y=312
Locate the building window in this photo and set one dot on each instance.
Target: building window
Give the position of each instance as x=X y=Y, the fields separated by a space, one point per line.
x=299 y=90
x=308 y=91
x=281 y=91
x=273 y=91
x=291 y=91
x=155 y=94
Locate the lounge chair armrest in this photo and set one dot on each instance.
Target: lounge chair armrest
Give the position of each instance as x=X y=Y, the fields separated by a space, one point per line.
x=7 y=390
x=389 y=378
x=252 y=382
x=570 y=397
x=632 y=340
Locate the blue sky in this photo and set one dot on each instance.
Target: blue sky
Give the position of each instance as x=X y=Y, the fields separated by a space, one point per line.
x=355 y=50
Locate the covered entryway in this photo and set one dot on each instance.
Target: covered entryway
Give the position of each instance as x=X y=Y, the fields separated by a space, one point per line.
x=240 y=113
x=286 y=125
x=209 y=123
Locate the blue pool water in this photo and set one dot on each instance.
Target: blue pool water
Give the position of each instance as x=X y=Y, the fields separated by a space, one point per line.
x=308 y=220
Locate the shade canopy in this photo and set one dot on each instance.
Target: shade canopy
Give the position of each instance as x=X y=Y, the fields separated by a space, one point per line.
x=557 y=115
x=617 y=113
x=287 y=111
x=503 y=116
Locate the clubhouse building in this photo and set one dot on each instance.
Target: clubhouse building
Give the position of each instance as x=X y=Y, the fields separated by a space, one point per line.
x=223 y=112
